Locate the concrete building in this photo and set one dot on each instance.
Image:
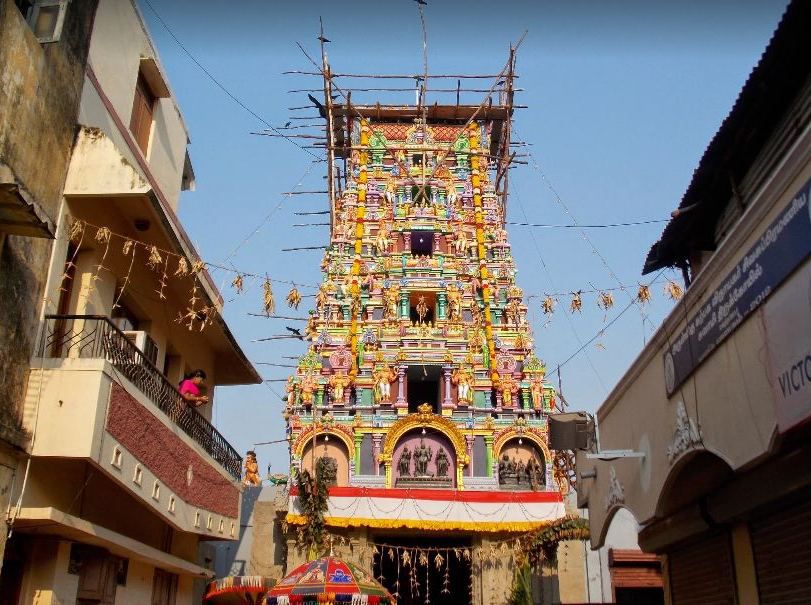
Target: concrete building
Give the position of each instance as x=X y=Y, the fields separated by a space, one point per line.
x=124 y=483
x=719 y=401
x=41 y=75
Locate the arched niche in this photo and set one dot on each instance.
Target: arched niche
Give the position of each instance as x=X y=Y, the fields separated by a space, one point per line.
x=521 y=464
x=695 y=475
x=430 y=450
x=327 y=446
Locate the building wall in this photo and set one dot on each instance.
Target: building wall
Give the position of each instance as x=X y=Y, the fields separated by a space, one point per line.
x=40 y=88
x=119 y=25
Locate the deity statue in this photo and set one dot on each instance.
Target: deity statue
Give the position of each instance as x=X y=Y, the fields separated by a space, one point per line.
x=422 y=309
x=292 y=391
x=383 y=377
x=512 y=312
x=463 y=378
x=383 y=240
x=535 y=474
x=519 y=470
x=506 y=469
x=508 y=387
x=404 y=463
x=422 y=456
x=536 y=390
x=390 y=300
x=251 y=470
x=460 y=242
x=339 y=381
x=454 y=303
x=442 y=463
x=308 y=387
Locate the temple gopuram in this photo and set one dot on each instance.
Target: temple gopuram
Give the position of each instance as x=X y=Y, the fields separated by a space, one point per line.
x=420 y=399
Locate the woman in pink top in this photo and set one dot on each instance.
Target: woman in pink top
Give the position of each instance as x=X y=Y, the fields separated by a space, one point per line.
x=190 y=389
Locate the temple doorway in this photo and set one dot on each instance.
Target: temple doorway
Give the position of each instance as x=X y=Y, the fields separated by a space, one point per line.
x=423 y=387
x=447 y=582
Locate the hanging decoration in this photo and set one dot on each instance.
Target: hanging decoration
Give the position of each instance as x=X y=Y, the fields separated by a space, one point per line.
x=155 y=259
x=238 y=283
x=643 y=294
x=268 y=302
x=182 y=267
x=673 y=290
x=577 y=303
x=293 y=298
x=605 y=300
x=548 y=305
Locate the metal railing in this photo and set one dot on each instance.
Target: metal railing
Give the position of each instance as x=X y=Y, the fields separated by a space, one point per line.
x=96 y=337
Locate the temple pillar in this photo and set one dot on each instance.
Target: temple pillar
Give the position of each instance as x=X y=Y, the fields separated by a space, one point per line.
x=404 y=307
x=442 y=305
x=401 y=404
x=488 y=444
x=525 y=399
x=469 y=449
x=377 y=438
x=447 y=402
x=358 y=442
x=407 y=242
x=436 y=248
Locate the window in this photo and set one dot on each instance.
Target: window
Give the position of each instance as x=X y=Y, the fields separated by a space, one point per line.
x=164 y=588
x=118 y=457
x=143 y=106
x=422 y=243
x=138 y=475
x=197 y=519
x=156 y=491
x=46 y=17
x=171 y=507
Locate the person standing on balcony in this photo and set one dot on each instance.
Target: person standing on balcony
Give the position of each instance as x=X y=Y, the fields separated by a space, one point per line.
x=190 y=389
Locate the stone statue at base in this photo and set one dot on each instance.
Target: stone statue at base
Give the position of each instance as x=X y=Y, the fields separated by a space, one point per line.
x=442 y=463
x=404 y=463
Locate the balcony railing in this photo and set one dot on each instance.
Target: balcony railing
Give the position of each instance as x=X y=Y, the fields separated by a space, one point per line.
x=96 y=337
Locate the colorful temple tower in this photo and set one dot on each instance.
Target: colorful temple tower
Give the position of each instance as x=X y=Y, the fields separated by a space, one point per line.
x=420 y=395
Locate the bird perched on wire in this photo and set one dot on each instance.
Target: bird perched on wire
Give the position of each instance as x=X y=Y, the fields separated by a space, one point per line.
x=287 y=124
x=423 y=2
x=323 y=39
x=295 y=331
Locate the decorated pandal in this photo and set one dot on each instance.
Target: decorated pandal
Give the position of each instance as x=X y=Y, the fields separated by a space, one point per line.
x=421 y=382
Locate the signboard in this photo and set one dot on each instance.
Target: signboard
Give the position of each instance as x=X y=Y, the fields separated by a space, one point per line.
x=784 y=245
x=787 y=317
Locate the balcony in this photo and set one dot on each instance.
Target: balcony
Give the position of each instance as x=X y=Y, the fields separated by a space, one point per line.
x=96 y=337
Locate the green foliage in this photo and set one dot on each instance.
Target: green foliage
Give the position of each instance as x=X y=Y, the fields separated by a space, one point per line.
x=313 y=494
x=542 y=546
x=521 y=593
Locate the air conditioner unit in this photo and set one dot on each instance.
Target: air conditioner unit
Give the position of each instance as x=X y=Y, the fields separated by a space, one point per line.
x=571 y=431
x=144 y=343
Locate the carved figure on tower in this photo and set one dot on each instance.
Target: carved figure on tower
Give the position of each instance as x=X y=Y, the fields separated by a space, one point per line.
x=383 y=377
x=508 y=387
x=454 y=304
x=308 y=387
x=422 y=309
x=462 y=377
x=390 y=300
x=339 y=382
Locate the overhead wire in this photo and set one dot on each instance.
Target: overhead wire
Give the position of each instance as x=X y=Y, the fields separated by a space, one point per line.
x=221 y=86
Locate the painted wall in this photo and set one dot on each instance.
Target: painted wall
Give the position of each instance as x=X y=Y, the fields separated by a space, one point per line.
x=333 y=448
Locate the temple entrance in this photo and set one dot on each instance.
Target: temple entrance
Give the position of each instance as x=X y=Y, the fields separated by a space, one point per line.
x=423 y=387
x=416 y=583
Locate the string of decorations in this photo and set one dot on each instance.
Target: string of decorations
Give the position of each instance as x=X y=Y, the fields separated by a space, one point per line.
x=171 y=265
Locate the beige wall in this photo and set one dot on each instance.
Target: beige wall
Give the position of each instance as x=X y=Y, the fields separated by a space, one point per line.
x=729 y=397
x=119 y=26
x=46 y=580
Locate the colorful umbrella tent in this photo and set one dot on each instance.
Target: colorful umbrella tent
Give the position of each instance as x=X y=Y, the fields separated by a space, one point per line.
x=329 y=581
x=238 y=590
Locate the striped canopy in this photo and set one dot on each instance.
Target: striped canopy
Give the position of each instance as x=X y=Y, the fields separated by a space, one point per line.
x=328 y=581
x=238 y=589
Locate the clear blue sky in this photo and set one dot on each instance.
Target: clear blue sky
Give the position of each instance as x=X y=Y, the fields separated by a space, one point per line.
x=623 y=98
